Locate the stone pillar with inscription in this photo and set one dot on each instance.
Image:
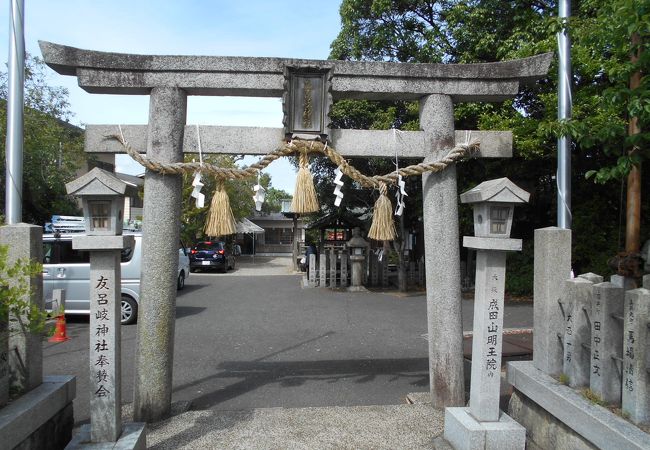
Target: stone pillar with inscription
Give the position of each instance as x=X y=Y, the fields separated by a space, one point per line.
x=482 y=425
x=636 y=379
x=344 y=268
x=102 y=199
x=606 y=342
x=104 y=331
x=576 y=301
x=322 y=270
x=552 y=267
x=333 y=262
x=312 y=270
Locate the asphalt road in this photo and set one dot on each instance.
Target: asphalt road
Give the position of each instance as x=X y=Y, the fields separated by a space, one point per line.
x=247 y=341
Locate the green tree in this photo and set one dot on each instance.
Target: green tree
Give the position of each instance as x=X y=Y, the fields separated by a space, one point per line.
x=52 y=148
x=240 y=194
x=273 y=199
x=491 y=30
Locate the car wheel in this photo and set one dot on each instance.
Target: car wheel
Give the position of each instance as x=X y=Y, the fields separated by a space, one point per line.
x=129 y=310
x=181 y=281
x=192 y=269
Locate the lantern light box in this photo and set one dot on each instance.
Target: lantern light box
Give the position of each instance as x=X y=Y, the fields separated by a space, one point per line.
x=102 y=197
x=493 y=202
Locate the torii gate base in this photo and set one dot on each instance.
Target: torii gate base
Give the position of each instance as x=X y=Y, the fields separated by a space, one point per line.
x=169 y=79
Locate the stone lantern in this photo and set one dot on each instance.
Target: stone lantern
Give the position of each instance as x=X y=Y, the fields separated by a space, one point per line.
x=102 y=198
x=482 y=424
x=493 y=202
x=358 y=248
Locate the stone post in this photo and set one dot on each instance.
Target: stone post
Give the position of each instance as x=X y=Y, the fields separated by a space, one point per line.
x=594 y=278
x=488 y=332
x=442 y=257
x=374 y=269
x=344 y=268
x=25 y=350
x=626 y=283
x=4 y=363
x=161 y=233
x=483 y=425
x=333 y=267
x=358 y=248
x=552 y=266
x=323 y=269
x=104 y=334
x=296 y=239
x=384 y=271
x=312 y=270
x=607 y=342
x=577 y=332
x=636 y=380
x=357 y=271
x=105 y=347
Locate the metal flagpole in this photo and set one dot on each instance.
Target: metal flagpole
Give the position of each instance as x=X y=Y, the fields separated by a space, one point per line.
x=564 y=112
x=15 y=102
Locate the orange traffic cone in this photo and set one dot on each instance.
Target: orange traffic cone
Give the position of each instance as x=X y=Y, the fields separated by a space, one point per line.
x=60 y=334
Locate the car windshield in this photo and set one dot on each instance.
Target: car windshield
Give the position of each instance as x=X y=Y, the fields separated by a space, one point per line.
x=209 y=246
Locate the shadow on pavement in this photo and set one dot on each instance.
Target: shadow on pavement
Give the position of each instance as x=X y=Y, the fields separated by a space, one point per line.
x=255 y=374
x=189 y=288
x=184 y=311
x=200 y=424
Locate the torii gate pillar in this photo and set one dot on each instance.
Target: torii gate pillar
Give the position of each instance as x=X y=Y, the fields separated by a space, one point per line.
x=162 y=207
x=442 y=256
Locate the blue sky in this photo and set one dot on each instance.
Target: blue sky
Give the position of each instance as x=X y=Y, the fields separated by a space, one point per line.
x=283 y=28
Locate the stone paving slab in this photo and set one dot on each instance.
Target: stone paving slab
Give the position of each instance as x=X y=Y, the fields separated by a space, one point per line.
x=376 y=427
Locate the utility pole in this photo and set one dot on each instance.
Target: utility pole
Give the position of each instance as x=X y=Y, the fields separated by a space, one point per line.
x=564 y=113
x=15 y=102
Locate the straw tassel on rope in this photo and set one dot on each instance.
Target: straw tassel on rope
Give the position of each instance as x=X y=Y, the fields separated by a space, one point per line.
x=221 y=221
x=304 y=198
x=383 y=227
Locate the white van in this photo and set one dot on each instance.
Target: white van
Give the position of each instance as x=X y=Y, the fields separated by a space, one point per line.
x=68 y=269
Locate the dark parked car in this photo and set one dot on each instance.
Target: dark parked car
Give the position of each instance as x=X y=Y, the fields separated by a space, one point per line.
x=213 y=255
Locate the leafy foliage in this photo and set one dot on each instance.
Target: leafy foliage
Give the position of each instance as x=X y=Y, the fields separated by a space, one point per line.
x=455 y=31
x=240 y=194
x=15 y=307
x=52 y=148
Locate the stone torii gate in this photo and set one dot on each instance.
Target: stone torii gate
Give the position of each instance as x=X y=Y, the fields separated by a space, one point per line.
x=168 y=80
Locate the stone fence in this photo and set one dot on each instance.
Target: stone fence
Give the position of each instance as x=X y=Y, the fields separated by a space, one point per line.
x=591 y=356
x=605 y=340
x=332 y=268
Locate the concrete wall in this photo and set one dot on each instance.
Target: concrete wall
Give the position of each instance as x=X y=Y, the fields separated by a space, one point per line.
x=543 y=430
x=53 y=434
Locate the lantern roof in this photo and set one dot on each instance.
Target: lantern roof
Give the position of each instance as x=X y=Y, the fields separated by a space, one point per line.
x=96 y=182
x=500 y=190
